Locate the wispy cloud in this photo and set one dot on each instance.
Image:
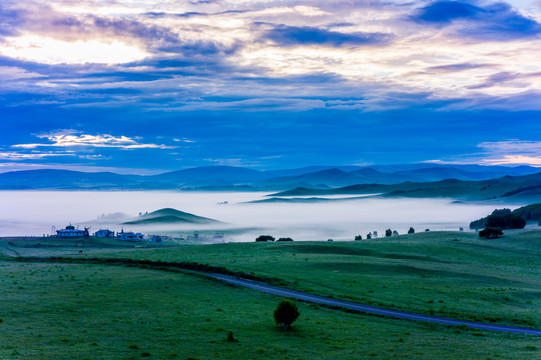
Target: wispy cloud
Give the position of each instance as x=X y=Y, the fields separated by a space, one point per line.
x=70 y=138
x=507 y=152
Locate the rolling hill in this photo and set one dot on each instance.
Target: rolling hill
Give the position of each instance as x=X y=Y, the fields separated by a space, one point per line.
x=169 y=216
x=507 y=188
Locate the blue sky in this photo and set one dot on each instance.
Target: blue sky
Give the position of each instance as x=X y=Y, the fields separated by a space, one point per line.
x=148 y=86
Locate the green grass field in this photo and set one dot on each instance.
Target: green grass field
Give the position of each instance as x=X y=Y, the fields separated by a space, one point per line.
x=96 y=311
x=449 y=274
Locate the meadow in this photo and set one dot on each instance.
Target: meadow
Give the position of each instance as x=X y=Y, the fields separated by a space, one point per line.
x=98 y=311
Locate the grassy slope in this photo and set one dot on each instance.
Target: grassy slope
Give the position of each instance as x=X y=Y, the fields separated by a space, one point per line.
x=448 y=274
x=66 y=311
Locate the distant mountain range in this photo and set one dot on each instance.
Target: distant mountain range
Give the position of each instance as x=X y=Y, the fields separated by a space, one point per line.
x=237 y=178
x=507 y=188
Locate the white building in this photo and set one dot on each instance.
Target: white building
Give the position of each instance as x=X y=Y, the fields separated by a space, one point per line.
x=156 y=238
x=104 y=233
x=70 y=232
x=129 y=236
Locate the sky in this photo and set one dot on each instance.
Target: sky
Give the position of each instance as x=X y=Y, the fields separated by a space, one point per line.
x=144 y=87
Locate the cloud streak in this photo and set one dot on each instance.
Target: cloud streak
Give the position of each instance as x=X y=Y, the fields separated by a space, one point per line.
x=69 y=138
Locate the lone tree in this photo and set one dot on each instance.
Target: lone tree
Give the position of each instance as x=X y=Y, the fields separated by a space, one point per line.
x=388 y=233
x=286 y=312
x=411 y=230
x=263 y=238
x=358 y=237
x=369 y=236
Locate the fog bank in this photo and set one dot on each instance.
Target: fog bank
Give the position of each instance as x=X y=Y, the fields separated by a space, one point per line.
x=27 y=213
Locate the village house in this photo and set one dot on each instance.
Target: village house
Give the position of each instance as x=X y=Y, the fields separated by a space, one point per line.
x=104 y=233
x=156 y=239
x=70 y=232
x=129 y=236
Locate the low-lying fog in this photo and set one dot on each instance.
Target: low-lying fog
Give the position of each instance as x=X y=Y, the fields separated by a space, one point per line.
x=28 y=213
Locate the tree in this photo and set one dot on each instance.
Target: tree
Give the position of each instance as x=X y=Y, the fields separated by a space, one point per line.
x=369 y=236
x=491 y=232
x=358 y=237
x=411 y=230
x=285 y=239
x=388 y=232
x=263 y=238
x=286 y=312
x=516 y=222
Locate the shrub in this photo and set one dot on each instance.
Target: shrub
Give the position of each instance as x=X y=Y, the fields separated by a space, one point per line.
x=285 y=239
x=491 y=232
x=230 y=337
x=369 y=236
x=286 y=313
x=263 y=238
x=388 y=232
x=411 y=230
x=358 y=237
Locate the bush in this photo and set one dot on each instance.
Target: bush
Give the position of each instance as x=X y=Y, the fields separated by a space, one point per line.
x=388 y=233
x=285 y=239
x=286 y=313
x=369 y=236
x=263 y=238
x=230 y=337
x=358 y=237
x=411 y=230
x=491 y=232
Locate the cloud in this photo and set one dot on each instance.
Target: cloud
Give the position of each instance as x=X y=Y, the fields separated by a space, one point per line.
x=506 y=152
x=496 y=21
x=512 y=147
x=284 y=35
x=453 y=68
x=70 y=138
x=16 y=156
x=446 y=11
x=504 y=78
x=515 y=160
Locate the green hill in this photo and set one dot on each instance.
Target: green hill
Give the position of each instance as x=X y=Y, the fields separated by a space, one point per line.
x=170 y=216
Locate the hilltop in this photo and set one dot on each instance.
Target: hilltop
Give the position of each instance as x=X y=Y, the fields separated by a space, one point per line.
x=169 y=216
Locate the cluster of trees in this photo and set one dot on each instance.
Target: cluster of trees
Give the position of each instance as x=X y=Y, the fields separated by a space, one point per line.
x=500 y=218
x=265 y=238
x=491 y=232
x=388 y=233
x=530 y=212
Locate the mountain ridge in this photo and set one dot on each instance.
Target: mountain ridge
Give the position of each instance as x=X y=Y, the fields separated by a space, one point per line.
x=244 y=179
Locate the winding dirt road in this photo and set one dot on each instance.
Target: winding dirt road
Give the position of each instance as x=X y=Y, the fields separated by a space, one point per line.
x=366 y=308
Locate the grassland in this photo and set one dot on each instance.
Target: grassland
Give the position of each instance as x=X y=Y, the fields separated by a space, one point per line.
x=96 y=311
x=451 y=274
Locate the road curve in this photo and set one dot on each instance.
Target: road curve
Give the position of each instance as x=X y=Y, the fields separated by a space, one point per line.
x=366 y=308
